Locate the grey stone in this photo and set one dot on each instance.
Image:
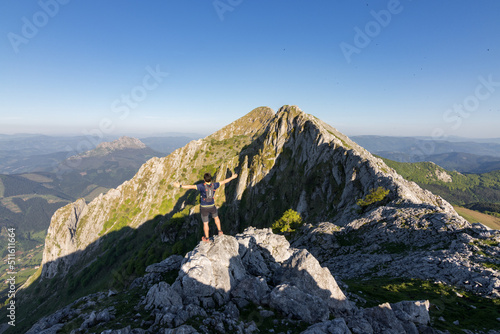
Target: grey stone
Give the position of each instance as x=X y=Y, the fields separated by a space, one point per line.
x=52 y=330
x=161 y=295
x=266 y=313
x=253 y=289
x=212 y=267
x=359 y=324
x=184 y=329
x=251 y=328
x=103 y=316
x=304 y=271
x=166 y=319
x=195 y=310
x=272 y=246
x=240 y=302
x=410 y=327
x=214 y=277
x=221 y=297
x=293 y=302
x=180 y=318
x=252 y=255
x=55 y=319
x=125 y=330
x=338 y=326
x=219 y=327
x=172 y=262
x=232 y=311
x=207 y=302
x=383 y=319
x=417 y=312
x=91 y=320
x=335 y=326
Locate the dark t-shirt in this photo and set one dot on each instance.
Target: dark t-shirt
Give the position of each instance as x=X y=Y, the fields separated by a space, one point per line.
x=203 y=194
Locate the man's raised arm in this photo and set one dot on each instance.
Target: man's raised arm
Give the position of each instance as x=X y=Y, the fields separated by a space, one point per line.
x=184 y=186
x=228 y=179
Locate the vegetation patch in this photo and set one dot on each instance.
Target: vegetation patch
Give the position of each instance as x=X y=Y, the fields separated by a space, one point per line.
x=494 y=266
x=374 y=196
x=288 y=223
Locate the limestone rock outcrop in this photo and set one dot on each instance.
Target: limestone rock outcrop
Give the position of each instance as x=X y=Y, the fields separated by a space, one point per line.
x=254 y=270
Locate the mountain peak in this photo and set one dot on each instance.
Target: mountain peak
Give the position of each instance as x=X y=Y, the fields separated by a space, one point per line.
x=251 y=124
x=292 y=110
x=105 y=148
x=121 y=143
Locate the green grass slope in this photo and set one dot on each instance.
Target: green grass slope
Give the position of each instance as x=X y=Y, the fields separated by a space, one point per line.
x=479 y=192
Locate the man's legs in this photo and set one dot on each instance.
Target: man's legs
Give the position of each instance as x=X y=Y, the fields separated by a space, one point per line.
x=205 y=229
x=217 y=223
x=204 y=219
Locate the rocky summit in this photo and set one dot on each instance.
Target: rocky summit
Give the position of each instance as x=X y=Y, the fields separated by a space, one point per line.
x=255 y=272
x=122 y=143
x=363 y=224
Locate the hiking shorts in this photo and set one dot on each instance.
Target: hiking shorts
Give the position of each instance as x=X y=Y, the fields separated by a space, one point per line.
x=206 y=210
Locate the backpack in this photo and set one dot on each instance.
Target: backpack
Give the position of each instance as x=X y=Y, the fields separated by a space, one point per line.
x=210 y=192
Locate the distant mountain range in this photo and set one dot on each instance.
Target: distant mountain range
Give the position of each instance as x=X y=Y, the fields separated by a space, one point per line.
x=457 y=139
x=40 y=153
x=474 y=156
x=84 y=175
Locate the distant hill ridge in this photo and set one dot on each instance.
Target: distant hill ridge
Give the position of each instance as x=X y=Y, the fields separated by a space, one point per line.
x=106 y=148
x=464 y=156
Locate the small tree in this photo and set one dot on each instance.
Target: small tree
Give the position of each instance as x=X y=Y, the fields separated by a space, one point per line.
x=375 y=195
x=289 y=222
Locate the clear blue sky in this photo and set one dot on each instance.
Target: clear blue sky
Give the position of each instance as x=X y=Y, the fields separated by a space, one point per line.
x=365 y=67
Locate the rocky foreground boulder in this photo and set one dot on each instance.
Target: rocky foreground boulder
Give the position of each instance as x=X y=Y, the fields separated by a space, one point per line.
x=253 y=282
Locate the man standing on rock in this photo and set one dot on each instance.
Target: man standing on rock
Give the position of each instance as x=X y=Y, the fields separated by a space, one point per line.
x=207 y=201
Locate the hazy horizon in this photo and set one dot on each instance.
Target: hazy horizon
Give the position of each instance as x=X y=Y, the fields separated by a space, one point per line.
x=201 y=135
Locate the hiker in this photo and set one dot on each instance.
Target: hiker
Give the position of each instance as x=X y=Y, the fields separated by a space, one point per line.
x=207 y=202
